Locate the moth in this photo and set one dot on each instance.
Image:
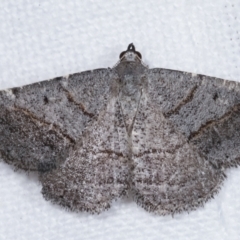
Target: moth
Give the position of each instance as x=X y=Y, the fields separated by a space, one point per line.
x=161 y=136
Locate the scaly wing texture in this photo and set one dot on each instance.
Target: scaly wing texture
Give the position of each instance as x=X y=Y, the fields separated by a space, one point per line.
x=206 y=110
x=169 y=175
x=97 y=170
x=39 y=123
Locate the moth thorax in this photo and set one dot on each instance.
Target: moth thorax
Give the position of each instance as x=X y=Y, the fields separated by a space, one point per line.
x=130 y=85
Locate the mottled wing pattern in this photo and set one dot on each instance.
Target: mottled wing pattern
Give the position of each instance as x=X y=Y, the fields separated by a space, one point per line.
x=164 y=135
x=97 y=170
x=39 y=123
x=206 y=110
x=169 y=175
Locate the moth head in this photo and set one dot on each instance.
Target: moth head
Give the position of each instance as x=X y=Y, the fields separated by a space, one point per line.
x=130 y=55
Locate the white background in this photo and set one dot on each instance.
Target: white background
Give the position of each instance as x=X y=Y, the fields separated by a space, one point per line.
x=44 y=39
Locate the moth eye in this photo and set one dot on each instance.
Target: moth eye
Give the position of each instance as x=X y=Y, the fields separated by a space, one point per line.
x=139 y=55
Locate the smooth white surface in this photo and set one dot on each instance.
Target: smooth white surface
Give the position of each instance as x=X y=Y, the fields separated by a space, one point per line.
x=44 y=39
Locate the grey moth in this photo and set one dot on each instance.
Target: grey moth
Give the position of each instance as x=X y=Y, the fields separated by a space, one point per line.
x=163 y=137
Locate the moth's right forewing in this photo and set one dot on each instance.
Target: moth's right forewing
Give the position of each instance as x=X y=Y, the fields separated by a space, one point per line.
x=40 y=122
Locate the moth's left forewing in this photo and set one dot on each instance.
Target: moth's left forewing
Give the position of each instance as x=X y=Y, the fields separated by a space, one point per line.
x=206 y=110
